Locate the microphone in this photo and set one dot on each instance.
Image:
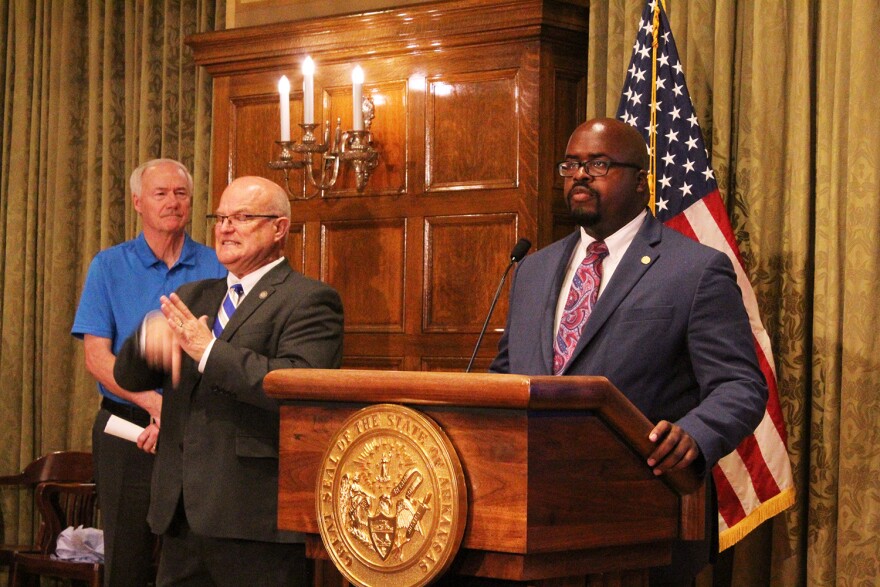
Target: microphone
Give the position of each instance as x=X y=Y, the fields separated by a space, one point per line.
x=519 y=251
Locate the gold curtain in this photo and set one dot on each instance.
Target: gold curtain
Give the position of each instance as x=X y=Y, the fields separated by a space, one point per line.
x=783 y=90
x=90 y=89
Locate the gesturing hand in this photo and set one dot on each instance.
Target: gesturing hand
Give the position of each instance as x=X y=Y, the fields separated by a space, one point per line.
x=192 y=333
x=159 y=346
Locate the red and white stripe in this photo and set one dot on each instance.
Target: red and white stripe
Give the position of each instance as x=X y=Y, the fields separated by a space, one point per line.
x=754 y=482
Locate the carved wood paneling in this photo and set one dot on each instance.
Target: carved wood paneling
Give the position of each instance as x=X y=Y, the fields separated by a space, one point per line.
x=365 y=261
x=472 y=141
x=463 y=265
x=474 y=102
x=294 y=249
x=371 y=362
x=455 y=364
x=251 y=150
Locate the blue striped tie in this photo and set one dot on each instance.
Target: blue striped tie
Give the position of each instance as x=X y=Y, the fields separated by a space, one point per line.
x=227 y=308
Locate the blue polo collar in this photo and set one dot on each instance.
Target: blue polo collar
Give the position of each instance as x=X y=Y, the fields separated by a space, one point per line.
x=149 y=259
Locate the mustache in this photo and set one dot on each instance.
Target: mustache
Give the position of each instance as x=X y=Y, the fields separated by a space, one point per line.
x=585 y=186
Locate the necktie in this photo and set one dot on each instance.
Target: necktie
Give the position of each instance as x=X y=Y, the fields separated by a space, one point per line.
x=579 y=304
x=227 y=308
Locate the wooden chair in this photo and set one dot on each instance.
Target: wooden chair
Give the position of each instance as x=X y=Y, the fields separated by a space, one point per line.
x=60 y=505
x=55 y=466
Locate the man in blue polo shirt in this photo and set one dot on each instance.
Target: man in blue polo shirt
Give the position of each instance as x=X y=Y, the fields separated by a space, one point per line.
x=124 y=283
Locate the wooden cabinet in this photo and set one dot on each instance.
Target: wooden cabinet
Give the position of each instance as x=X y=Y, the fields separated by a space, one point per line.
x=474 y=104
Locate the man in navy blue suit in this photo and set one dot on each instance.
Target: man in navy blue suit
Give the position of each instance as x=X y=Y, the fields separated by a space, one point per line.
x=668 y=327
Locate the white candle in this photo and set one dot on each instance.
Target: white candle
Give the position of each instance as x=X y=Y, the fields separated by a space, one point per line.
x=284 y=95
x=357 y=98
x=308 y=71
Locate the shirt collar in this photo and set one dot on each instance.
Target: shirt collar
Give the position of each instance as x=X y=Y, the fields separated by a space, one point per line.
x=618 y=242
x=149 y=258
x=250 y=280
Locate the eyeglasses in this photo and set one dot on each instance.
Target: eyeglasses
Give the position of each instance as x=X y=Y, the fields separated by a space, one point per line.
x=161 y=195
x=593 y=167
x=236 y=220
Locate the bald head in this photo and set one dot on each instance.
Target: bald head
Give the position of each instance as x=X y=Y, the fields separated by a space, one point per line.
x=627 y=138
x=262 y=192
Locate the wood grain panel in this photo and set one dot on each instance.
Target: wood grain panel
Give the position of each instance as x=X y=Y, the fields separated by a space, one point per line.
x=562 y=226
x=365 y=261
x=472 y=138
x=555 y=467
x=569 y=100
x=455 y=364
x=294 y=248
x=255 y=127
x=465 y=257
x=561 y=475
x=498 y=506
x=381 y=363
x=586 y=458
x=493 y=448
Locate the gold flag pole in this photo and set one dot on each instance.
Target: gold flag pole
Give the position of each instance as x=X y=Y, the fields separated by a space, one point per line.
x=652 y=131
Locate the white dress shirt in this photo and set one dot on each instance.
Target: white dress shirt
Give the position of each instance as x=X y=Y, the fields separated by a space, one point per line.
x=617 y=245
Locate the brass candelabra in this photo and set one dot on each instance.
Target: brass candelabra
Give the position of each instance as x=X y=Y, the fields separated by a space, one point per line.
x=354 y=147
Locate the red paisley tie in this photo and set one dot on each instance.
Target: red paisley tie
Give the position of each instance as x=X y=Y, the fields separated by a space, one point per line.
x=579 y=304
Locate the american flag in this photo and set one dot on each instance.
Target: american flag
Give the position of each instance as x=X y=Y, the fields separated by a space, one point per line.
x=754 y=482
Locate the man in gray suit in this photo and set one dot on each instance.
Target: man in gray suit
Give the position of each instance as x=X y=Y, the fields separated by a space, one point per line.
x=665 y=322
x=215 y=481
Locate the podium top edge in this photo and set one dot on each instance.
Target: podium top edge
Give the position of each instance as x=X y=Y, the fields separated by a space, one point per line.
x=488 y=390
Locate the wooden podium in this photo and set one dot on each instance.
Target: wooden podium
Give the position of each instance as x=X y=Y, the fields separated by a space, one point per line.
x=558 y=489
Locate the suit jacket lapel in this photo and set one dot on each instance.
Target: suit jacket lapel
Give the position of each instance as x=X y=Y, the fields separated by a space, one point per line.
x=261 y=292
x=548 y=321
x=628 y=273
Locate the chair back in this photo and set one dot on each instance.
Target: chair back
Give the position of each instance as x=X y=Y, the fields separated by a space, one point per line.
x=54 y=466
x=62 y=505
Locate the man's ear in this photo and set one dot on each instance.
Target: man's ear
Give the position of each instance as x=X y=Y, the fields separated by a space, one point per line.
x=282 y=228
x=642 y=187
x=136 y=201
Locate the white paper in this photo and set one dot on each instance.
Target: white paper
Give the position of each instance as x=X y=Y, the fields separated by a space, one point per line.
x=123 y=428
x=84 y=545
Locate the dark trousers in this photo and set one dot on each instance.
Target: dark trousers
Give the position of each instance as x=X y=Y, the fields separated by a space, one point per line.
x=122 y=474
x=191 y=560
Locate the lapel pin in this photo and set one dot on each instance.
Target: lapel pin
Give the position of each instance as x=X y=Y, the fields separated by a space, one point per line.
x=646 y=259
x=264 y=294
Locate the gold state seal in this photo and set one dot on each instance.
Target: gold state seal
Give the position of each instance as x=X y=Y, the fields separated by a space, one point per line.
x=391 y=498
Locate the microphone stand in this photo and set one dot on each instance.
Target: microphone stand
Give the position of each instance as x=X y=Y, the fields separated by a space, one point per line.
x=519 y=251
x=489 y=315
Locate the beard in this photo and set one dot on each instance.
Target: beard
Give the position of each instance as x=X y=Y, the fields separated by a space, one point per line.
x=585 y=219
x=580 y=215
